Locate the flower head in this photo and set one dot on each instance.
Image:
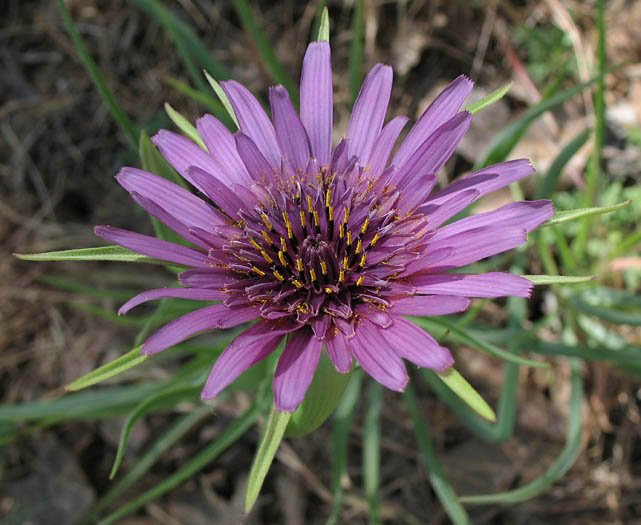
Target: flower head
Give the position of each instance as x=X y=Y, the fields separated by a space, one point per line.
x=328 y=247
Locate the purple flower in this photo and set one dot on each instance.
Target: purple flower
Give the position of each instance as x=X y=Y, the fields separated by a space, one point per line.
x=328 y=247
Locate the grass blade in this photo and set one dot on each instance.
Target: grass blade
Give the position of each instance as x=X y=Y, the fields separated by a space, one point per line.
x=372 y=450
x=570 y=215
x=115 y=109
x=611 y=315
x=355 y=64
x=222 y=96
x=209 y=102
x=458 y=384
x=259 y=40
x=444 y=491
x=342 y=424
x=490 y=99
x=560 y=466
x=165 y=398
x=273 y=435
x=434 y=325
x=115 y=367
x=102 y=253
x=551 y=179
x=231 y=434
x=81 y=288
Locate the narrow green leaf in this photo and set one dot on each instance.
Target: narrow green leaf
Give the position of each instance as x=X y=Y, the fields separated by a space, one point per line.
x=222 y=96
x=624 y=357
x=458 y=384
x=114 y=107
x=372 y=450
x=83 y=289
x=231 y=434
x=561 y=465
x=322 y=397
x=434 y=325
x=162 y=399
x=609 y=314
x=273 y=435
x=551 y=179
x=342 y=425
x=115 y=367
x=259 y=40
x=558 y=279
x=184 y=125
x=442 y=487
x=102 y=253
x=570 y=215
x=162 y=444
x=490 y=99
x=355 y=64
x=505 y=141
x=323 y=28
x=213 y=105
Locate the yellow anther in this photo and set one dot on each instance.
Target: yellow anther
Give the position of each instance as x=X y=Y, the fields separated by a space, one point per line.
x=359 y=245
x=255 y=244
x=281 y=257
x=328 y=197
x=278 y=275
x=283 y=244
x=323 y=267
x=330 y=208
x=266 y=256
x=258 y=271
x=266 y=237
x=299 y=264
x=297 y=283
x=360 y=280
x=266 y=221
x=365 y=225
x=375 y=239
x=346 y=217
x=312 y=274
x=349 y=238
x=341 y=276
x=303 y=219
x=346 y=263
x=316 y=221
x=310 y=206
x=328 y=290
x=290 y=234
x=363 y=259
x=341 y=231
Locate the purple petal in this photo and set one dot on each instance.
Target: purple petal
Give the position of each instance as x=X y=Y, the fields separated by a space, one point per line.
x=218 y=192
x=182 y=153
x=416 y=345
x=486 y=180
x=257 y=165
x=210 y=278
x=440 y=213
x=152 y=247
x=491 y=284
x=377 y=358
x=316 y=99
x=338 y=352
x=416 y=193
x=444 y=107
x=250 y=347
x=253 y=121
x=295 y=369
x=384 y=145
x=222 y=146
x=524 y=214
x=208 y=318
x=290 y=132
x=432 y=155
x=476 y=244
x=369 y=112
x=183 y=205
x=422 y=305
x=164 y=293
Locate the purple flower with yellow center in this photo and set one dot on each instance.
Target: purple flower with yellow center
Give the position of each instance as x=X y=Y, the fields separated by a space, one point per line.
x=326 y=247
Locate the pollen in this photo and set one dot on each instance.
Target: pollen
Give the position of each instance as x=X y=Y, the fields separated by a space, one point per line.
x=266 y=221
x=278 y=275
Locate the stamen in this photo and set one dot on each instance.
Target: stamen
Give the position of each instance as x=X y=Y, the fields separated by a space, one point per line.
x=346 y=263
x=258 y=271
x=360 y=280
x=303 y=220
x=266 y=256
x=328 y=197
x=290 y=234
x=363 y=259
x=297 y=283
x=283 y=244
x=346 y=218
x=375 y=240
x=312 y=274
x=328 y=290
x=359 y=245
x=365 y=225
x=330 y=209
x=299 y=264
x=266 y=221
x=255 y=244
x=341 y=276
x=310 y=206
x=282 y=259
x=341 y=231
x=316 y=221
x=349 y=238
x=266 y=237
x=323 y=266
x=278 y=275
